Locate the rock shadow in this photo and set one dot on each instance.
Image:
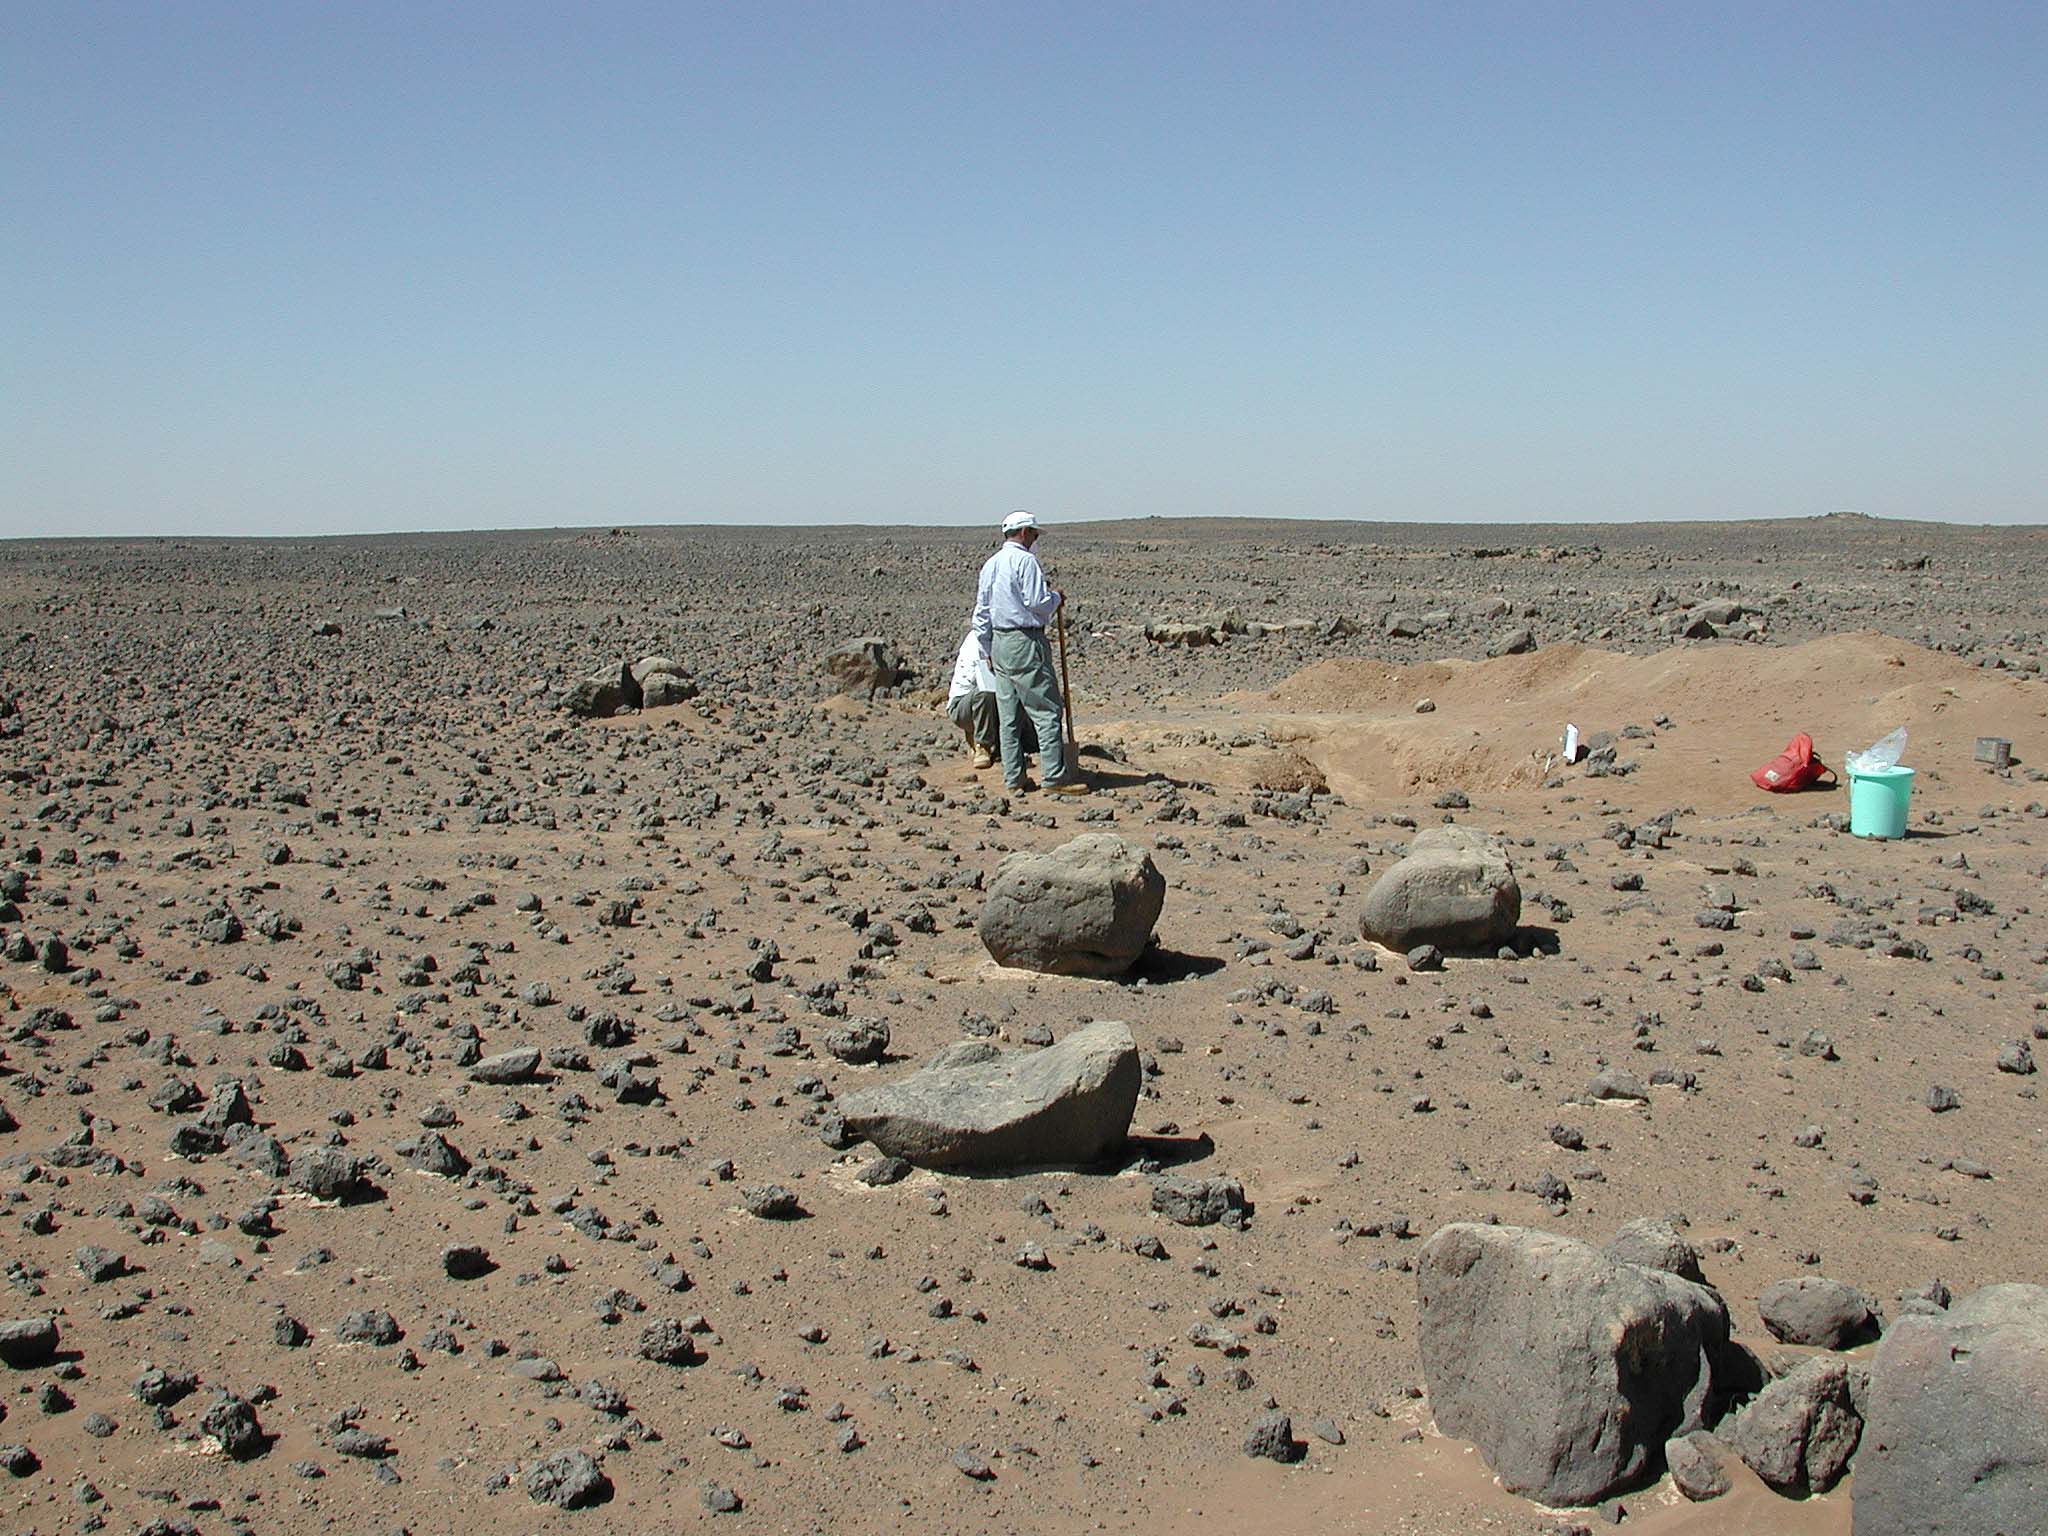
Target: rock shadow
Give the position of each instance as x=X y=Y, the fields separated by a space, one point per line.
x=1099 y=777
x=1162 y=967
x=1108 y=1166
x=361 y=1190
x=1739 y=1374
x=1139 y=1152
x=1151 y=1153
x=254 y=1448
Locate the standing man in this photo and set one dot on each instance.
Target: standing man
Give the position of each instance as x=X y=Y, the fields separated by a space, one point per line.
x=1011 y=606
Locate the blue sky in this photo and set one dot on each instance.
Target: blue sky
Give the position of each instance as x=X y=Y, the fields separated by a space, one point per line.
x=294 y=267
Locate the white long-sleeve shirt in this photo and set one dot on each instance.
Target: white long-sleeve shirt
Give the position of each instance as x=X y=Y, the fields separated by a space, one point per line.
x=1011 y=594
x=970 y=673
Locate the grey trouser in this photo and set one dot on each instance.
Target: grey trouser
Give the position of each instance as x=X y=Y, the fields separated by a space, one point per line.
x=975 y=713
x=1026 y=687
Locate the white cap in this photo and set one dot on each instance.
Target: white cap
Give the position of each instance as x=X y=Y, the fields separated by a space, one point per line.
x=1016 y=521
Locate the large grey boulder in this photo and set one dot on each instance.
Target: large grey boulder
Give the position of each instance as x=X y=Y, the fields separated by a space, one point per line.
x=662 y=681
x=1955 y=1439
x=603 y=693
x=648 y=683
x=1084 y=909
x=28 y=1342
x=665 y=688
x=1453 y=888
x=1800 y=1431
x=648 y=666
x=1655 y=1244
x=1812 y=1309
x=1567 y=1369
x=1068 y=1104
x=865 y=664
x=513 y=1066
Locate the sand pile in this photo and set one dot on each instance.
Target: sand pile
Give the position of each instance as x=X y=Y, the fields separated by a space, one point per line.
x=1496 y=724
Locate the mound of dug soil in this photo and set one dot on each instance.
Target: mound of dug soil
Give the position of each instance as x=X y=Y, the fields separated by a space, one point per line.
x=1496 y=724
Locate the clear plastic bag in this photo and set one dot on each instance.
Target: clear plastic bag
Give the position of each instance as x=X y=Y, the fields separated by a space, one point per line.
x=1881 y=755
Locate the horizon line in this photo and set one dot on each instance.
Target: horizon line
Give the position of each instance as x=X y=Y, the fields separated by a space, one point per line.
x=1053 y=526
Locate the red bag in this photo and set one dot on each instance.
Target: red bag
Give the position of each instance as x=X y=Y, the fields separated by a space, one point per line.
x=1794 y=768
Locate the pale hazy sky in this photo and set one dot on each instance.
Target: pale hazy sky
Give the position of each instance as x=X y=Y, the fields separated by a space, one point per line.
x=289 y=267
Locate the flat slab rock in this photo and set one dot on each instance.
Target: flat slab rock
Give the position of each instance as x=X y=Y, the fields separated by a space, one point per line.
x=1068 y=1104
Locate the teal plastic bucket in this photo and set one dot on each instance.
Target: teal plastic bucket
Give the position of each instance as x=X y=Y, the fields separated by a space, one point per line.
x=1877 y=802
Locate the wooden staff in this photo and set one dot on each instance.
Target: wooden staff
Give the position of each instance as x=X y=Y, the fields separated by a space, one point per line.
x=1067 y=695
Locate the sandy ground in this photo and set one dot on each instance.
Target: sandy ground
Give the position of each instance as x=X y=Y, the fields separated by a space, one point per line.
x=403 y=796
